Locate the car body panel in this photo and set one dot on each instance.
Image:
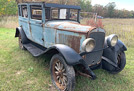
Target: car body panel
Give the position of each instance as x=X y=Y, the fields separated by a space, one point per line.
x=37 y=31
x=69 y=26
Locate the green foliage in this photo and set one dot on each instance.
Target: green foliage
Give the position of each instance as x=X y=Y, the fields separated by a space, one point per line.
x=110 y=8
x=85 y=5
x=31 y=69
x=8 y=7
x=110 y=11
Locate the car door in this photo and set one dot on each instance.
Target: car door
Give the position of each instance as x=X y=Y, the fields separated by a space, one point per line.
x=36 y=23
x=24 y=19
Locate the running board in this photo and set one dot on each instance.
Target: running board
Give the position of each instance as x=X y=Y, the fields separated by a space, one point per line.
x=35 y=51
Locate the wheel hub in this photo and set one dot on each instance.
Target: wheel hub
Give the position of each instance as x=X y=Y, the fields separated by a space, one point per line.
x=59 y=74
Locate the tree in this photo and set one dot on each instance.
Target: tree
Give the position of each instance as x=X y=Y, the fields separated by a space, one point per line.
x=110 y=8
x=85 y=5
x=8 y=7
x=70 y=2
x=99 y=9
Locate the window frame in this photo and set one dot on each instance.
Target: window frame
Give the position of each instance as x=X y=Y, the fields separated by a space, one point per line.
x=19 y=10
x=68 y=13
x=22 y=11
x=31 y=15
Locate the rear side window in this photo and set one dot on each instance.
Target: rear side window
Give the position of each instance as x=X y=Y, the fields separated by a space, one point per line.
x=19 y=7
x=36 y=12
x=24 y=11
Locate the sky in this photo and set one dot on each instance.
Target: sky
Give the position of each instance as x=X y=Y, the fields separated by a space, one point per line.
x=120 y=4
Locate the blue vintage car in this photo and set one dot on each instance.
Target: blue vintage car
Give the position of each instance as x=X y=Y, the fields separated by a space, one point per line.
x=54 y=29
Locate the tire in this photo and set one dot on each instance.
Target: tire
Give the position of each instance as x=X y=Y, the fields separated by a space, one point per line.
x=62 y=75
x=121 y=63
x=20 y=43
x=22 y=39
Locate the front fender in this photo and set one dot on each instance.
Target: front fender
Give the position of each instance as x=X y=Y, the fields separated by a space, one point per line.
x=112 y=52
x=71 y=56
x=120 y=46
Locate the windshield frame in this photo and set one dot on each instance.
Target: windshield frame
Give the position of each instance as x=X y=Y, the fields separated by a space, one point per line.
x=51 y=6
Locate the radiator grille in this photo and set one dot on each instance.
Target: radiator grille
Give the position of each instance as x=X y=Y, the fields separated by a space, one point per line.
x=94 y=57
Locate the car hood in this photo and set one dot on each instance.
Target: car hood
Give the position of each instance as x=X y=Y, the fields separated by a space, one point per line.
x=69 y=26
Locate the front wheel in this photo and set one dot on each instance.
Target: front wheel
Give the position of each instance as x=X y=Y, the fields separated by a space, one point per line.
x=62 y=75
x=121 y=62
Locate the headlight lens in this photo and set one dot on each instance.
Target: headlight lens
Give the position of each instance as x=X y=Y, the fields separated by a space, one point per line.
x=112 y=40
x=88 y=45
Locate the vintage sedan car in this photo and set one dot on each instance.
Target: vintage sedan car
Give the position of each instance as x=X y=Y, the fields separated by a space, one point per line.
x=54 y=29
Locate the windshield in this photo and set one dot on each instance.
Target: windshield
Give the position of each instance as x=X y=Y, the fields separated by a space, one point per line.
x=62 y=14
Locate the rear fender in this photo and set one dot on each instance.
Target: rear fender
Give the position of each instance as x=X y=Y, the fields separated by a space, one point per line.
x=20 y=31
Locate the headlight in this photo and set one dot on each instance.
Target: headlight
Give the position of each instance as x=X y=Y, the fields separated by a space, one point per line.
x=88 y=45
x=112 y=40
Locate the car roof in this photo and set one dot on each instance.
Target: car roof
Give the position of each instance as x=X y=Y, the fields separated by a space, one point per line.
x=52 y=5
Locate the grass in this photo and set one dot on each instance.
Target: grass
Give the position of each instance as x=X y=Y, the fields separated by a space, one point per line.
x=20 y=71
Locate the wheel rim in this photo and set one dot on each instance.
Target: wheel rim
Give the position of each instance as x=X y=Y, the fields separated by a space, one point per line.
x=20 y=42
x=59 y=75
x=119 y=60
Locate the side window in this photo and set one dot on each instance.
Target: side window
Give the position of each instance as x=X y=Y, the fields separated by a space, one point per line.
x=36 y=12
x=55 y=13
x=73 y=14
x=19 y=7
x=63 y=14
x=47 y=13
x=24 y=11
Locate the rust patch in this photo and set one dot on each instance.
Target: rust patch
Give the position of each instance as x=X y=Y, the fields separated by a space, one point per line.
x=80 y=32
x=30 y=29
x=66 y=28
x=71 y=41
x=89 y=29
x=74 y=28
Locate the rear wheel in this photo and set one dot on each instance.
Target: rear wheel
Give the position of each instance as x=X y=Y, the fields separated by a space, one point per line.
x=63 y=75
x=20 y=43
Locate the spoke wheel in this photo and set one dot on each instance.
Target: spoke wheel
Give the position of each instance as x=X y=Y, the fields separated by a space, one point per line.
x=63 y=75
x=59 y=74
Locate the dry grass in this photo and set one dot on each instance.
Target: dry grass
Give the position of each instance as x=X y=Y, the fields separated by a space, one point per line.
x=124 y=28
x=9 y=22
